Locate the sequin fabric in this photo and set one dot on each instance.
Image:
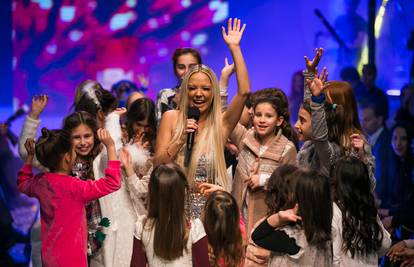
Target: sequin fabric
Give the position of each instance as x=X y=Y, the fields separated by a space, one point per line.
x=196 y=201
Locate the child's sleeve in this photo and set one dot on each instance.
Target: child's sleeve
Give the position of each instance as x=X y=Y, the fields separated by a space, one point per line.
x=25 y=181
x=238 y=134
x=268 y=238
x=200 y=244
x=306 y=92
x=88 y=190
x=320 y=134
x=29 y=130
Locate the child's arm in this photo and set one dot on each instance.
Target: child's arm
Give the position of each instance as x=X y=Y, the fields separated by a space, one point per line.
x=232 y=38
x=25 y=176
x=139 y=258
x=267 y=237
x=30 y=126
x=311 y=69
x=226 y=73
x=89 y=190
x=113 y=125
x=324 y=149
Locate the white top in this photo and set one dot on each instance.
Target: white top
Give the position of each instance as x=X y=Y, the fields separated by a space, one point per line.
x=146 y=235
x=342 y=259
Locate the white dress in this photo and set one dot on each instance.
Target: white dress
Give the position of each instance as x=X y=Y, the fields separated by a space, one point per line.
x=146 y=235
x=344 y=259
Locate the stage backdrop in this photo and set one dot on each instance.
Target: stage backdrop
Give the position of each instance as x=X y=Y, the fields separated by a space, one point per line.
x=57 y=44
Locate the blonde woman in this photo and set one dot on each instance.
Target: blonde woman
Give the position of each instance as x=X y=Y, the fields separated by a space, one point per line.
x=207 y=169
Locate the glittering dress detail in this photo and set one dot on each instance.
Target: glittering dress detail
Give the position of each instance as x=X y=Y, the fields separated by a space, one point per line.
x=196 y=200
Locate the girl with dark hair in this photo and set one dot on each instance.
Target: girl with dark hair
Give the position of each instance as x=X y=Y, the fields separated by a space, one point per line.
x=224 y=229
x=279 y=196
x=90 y=164
x=165 y=237
x=62 y=197
x=300 y=235
x=317 y=123
x=359 y=238
x=263 y=148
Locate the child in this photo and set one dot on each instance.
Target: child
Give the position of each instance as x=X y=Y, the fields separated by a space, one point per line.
x=221 y=220
x=278 y=197
x=62 y=198
x=316 y=116
x=262 y=149
x=301 y=235
x=165 y=237
x=359 y=238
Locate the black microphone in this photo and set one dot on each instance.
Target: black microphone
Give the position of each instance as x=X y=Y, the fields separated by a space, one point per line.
x=21 y=111
x=193 y=113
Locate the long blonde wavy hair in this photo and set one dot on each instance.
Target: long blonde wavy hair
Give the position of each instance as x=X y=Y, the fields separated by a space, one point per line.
x=212 y=144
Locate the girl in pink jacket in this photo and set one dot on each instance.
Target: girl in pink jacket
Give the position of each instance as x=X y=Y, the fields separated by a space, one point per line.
x=62 y=197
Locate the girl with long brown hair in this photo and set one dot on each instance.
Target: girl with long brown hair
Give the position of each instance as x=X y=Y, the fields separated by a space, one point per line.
x=165 y=237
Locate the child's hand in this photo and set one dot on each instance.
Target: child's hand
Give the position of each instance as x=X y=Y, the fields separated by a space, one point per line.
x=120 y=111
x=207 y=188
x=284 y=217
x=312 y=64
x=408 y=262
x=234 y=33
x=228 y=69
x=357 y=143
x=315 y=86
x=105 y=138
x=254 y=181
x=38 y=105
x=30 y=148
x=126 y=161
x=143 y=80
x=139 y=141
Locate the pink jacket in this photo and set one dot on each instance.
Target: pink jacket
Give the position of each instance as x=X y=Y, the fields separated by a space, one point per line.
x=62 y=205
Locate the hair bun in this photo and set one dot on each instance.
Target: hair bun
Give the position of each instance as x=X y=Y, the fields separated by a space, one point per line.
x=45 y=132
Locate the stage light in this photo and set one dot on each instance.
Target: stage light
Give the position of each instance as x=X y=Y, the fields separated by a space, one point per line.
x=185 y=35
x=377 y=28
x=199 y=39
x=153 y=23
x=162 y=52
x=394 y=92
x=121 y=20
x=51 y=49
x=44 y=4
x=221 y=10
x=131 y=3
x=67 y=13
x=185 y=3
x=75 y=35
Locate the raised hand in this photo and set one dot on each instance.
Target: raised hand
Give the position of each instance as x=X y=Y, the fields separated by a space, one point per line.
x=38 y=105
x=312 y=64
x=105 y=137
x=30 y=148
x=126 y=161
x=143 y=80
x=234 y=32
x=228 y=69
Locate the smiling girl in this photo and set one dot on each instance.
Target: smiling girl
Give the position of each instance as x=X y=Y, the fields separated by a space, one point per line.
x=262 y=149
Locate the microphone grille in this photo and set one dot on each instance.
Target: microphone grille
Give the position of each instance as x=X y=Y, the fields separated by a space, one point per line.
x=193 y=113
